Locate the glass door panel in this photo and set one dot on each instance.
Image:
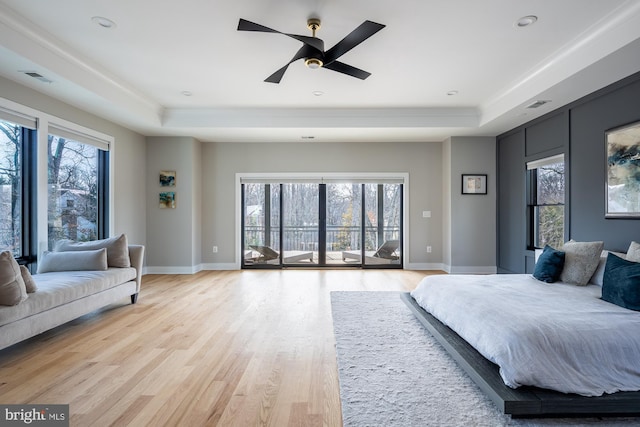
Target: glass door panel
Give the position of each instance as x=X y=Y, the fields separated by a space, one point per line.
x=344 y=230
x=383 y=212
x=300 y=223
x=261 y=224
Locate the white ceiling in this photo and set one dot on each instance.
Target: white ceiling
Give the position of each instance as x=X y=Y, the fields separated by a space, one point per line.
x=135 y=74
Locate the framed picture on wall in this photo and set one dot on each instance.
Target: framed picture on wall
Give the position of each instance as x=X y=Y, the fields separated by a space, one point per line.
x=622 y=198
x=167 y=200
x=167 y=178
x=474 y=184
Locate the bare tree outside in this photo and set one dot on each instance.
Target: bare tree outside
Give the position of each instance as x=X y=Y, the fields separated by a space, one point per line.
x=10 y=188
x=73 y=190
x=550 y=205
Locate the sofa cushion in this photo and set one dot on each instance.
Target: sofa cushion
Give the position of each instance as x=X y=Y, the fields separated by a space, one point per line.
x=117 y=249
x=12 y=288
x=73 y=261
x=633 y=253
x=29 y=283
x=59 y=288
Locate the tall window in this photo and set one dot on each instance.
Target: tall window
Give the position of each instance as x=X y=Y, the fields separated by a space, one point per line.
x=546 y=183
x=72 y=190
x=17 y=144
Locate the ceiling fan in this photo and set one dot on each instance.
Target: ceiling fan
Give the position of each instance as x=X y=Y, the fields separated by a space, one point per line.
x=313 y=51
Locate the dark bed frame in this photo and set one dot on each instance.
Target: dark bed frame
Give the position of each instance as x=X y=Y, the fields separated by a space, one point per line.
x=523 y=401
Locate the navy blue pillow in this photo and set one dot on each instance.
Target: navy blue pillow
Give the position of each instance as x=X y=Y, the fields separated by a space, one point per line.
x=621 y=282
x=549 y=265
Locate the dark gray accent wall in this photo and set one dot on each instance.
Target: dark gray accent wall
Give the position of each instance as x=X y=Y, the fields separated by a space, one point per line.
x=578 y=131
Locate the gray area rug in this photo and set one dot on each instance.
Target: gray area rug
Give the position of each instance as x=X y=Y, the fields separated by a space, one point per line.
x=392 y=372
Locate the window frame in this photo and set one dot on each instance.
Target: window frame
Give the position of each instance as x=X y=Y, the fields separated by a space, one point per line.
x=532 y=198
x=35 y=168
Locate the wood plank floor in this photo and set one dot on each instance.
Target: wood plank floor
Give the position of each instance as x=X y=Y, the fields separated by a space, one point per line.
x=232 y=348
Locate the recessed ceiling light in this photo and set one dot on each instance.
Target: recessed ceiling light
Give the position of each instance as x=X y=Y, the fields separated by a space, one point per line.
x=318 y=92
x=104 y=22
x=452 y=92
x=538 y=103
x=525 y=21
x=186 y=93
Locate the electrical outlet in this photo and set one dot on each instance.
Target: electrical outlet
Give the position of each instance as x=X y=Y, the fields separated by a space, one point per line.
x=429 y=249
x=215 y=249
x=426 y=214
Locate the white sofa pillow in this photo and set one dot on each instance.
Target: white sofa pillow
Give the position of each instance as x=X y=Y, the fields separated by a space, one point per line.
x=73 y=261
x=117 y=249
x=633 y=253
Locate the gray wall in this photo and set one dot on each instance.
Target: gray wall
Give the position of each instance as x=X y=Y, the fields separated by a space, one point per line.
x=578 y=130
x=423 y=162
x=173 y=235
x=472 y=217
x=129 y=157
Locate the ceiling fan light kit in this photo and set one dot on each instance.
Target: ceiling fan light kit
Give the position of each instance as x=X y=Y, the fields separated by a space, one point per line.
x=312 y=50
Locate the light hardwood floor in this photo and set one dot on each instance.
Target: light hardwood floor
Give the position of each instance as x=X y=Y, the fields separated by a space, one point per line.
x=232 y=348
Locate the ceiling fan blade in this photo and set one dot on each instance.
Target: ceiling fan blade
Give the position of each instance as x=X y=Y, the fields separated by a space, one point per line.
x=277 y=76
x=343 y=68
x=357 y=36
x=316 y=43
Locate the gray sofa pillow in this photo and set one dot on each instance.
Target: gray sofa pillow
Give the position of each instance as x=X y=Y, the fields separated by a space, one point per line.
x=633 y=253
x=12 y=288
x=581 y=261
x=117 y=249
x=73 y=261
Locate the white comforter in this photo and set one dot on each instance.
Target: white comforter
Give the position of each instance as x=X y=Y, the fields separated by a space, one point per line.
x=556 y=336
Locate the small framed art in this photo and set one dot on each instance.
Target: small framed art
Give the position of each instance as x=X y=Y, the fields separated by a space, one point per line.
x=167 y=178
x=474 y=184
x=167 y=200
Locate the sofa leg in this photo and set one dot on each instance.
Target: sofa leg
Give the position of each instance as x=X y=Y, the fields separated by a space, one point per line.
x=134 y=298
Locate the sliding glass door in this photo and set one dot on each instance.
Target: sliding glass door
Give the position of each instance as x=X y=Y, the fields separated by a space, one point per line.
x=341 y=224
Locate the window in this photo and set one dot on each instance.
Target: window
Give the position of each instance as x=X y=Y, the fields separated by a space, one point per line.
x=16 y=223
x=72 y=190
x=74 y=177
x=546 y=195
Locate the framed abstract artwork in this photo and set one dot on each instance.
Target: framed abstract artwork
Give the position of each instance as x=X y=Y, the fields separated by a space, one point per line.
x=622 y=190
x=167 y=178
x=474 y=184
x=167 y=200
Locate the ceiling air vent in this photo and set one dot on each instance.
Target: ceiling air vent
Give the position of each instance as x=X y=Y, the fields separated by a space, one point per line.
x=37 y=76
x=539 y=103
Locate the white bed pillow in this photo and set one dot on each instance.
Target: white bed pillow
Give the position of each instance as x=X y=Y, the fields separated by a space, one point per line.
x=581 y=261
x=73 y=261
x=598 y=275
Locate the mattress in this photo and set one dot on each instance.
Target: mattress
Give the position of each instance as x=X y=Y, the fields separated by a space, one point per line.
x=550 y=335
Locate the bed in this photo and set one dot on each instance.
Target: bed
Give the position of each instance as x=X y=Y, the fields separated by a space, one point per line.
x=537 y=348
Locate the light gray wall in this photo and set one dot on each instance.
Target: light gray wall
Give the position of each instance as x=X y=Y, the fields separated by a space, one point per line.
x=129 y=157
x=472 y=217
x=422 y=161
x=173 y=235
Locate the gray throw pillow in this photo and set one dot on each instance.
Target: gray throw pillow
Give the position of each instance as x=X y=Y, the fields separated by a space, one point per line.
x=73 y=261
x=633 y=253
x=29 y=283
x=580 y=262
x=117 y=249
x=12 y=288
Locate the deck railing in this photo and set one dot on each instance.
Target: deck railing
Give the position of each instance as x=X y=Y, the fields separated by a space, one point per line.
x=305 y=238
